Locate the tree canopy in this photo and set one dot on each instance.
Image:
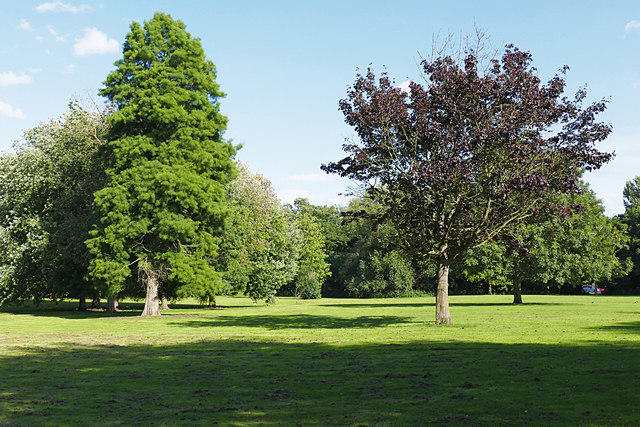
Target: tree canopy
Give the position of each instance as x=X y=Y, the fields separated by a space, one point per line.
x=261 y=245
x=575 y=249
x=163 y=207
x=46 y=190
x=468 y=155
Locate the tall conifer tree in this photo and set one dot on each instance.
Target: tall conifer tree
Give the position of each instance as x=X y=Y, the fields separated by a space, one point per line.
x=162 y=209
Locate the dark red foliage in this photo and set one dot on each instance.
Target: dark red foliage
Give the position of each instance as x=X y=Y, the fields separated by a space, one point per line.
x=468 y=155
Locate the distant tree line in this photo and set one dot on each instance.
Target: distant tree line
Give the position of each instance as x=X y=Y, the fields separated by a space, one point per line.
x=552 y=254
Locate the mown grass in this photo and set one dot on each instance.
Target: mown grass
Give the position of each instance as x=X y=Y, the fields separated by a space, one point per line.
x=555 y=360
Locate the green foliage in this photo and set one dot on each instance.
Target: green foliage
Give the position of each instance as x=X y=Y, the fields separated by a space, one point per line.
x=313 y=269
x=336 y=237
x=329 y=218
x=631 y=193
x=163 y=208
x=261 y=243
x=46 y=191
x=629 y=222
x=581 y=247
x=370 y=264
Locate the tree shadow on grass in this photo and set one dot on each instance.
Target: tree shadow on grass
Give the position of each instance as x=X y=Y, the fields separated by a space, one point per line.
x=233 y=382
x=432 y=303
x=68 y=310
x=296 y=321
x=505 y=304
x=626 y=327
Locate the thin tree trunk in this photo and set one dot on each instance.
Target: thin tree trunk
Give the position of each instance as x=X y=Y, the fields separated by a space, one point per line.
x=517 y=291
x=165 y=303
x=96 y=301
x=490 y=289
x=82 y=303
x=442 y=296
x=112 y=304
x=152 y=301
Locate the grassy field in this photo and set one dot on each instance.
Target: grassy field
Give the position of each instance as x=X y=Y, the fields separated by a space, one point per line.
x=556 y=360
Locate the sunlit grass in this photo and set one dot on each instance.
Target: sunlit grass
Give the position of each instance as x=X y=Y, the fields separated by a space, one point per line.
x=564 y=360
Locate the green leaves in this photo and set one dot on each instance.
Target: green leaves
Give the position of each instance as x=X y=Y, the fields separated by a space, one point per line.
x=261 y=245
x=46 y=191
x=164 y=203
x=581 y=248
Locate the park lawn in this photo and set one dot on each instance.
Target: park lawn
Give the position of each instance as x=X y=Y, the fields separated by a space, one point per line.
x=556 y=360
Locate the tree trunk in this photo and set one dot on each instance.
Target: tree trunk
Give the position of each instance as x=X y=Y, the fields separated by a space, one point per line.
x=96 y=301
x=442 y=296
x=112 y=304
x=82 y=303
x=517 y=291
x=490 y=288
x=152 y=301
x=165 y=303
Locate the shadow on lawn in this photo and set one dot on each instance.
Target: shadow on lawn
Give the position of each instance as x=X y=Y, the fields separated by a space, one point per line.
x=68 y=310
x=274 y=383
x=630 y=327
x=431 y=303
x=296 y=321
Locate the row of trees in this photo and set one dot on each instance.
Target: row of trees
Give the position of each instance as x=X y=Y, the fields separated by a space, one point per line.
x=146 y=199
x=473 y=175
x=48 y=227
x=551 y=254
x=47 y=187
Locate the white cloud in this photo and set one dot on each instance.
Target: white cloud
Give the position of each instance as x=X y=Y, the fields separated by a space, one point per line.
x=95 y=42
x=25 y=25
x=39 y=38
x=10 y=78
x=69 y=69
x=55 y=34
x=632 y=25
x=59 y=6
x=8 y=111
x=310 y=177
x=404 y=86
x=636 y=85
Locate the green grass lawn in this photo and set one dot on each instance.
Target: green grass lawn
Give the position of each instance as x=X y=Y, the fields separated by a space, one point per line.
x=556 y=360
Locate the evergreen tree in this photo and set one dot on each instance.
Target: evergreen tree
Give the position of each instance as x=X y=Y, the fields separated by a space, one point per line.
x=163 y=207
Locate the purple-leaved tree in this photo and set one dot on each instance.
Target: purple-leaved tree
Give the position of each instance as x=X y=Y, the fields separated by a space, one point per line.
x=469 y=155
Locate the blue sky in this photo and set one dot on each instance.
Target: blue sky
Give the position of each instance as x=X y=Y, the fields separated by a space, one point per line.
x=285 y=65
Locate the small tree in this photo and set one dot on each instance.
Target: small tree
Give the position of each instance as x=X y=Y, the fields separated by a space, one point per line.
x=260 y=245
x=469 y=155
x=312 y=266
x=335 y=237
x=163 y=208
